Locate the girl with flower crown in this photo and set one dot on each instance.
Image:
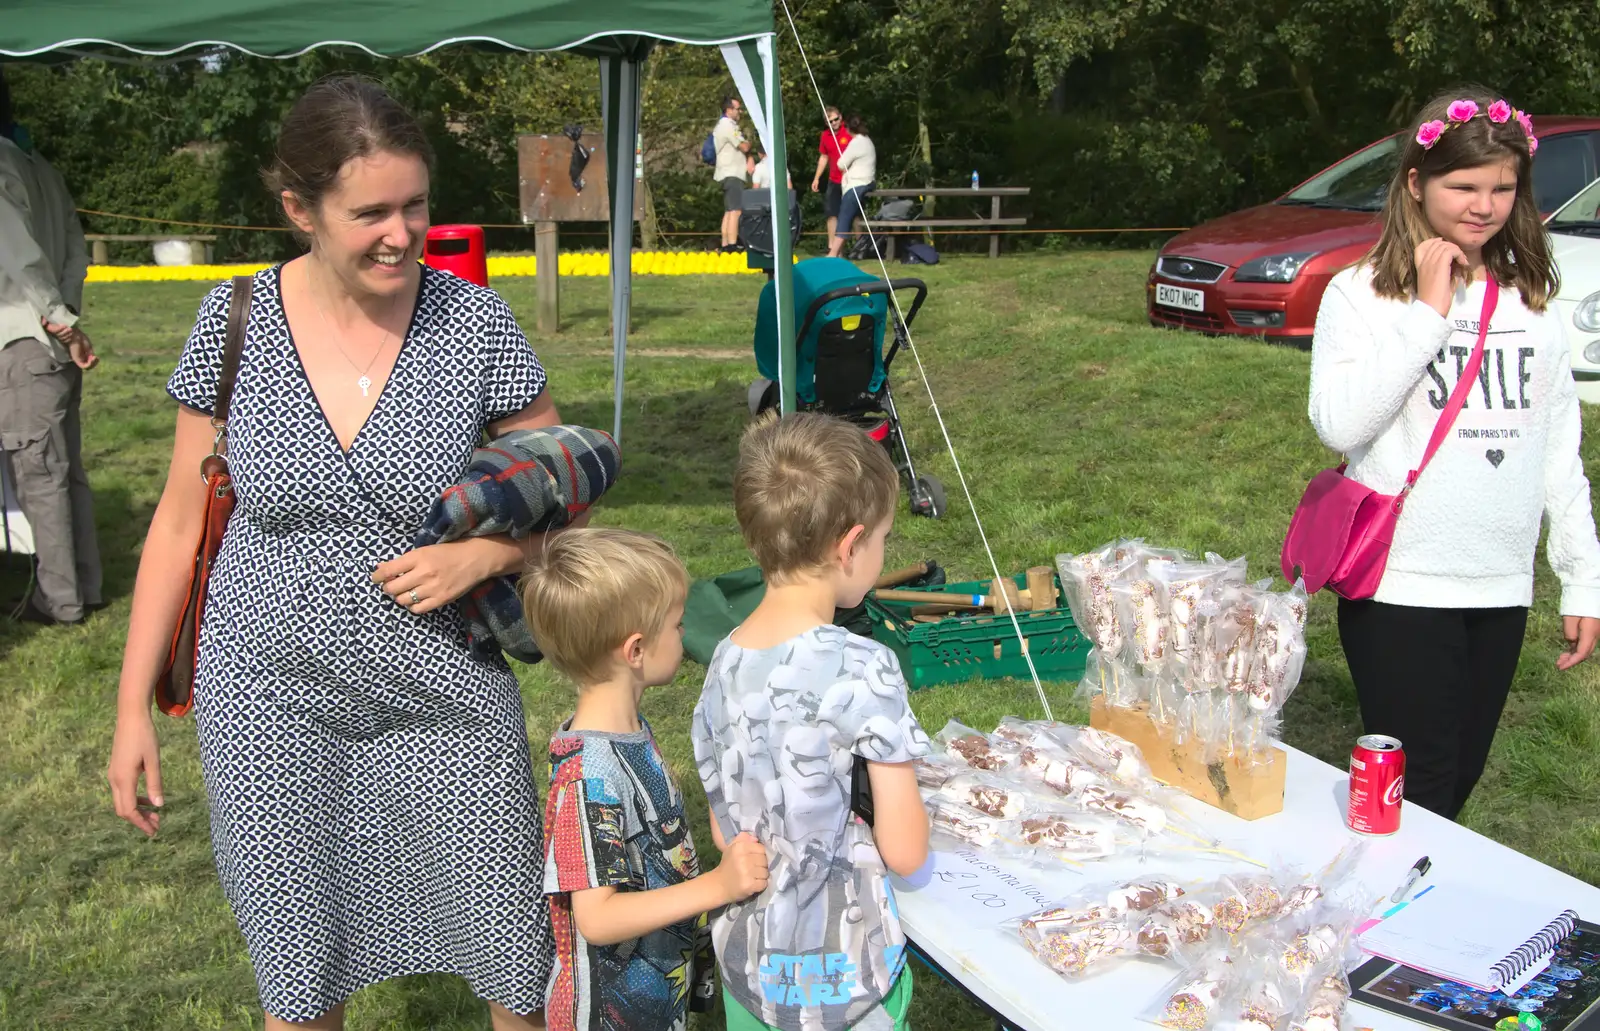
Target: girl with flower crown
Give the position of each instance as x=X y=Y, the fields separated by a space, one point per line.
x=1434 y=650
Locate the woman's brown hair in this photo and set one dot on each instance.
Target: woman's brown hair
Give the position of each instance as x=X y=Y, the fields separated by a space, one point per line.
x=337 y=120
x=1519 y=254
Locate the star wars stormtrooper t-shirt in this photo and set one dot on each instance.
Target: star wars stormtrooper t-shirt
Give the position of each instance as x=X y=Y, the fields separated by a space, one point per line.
x=775 y=734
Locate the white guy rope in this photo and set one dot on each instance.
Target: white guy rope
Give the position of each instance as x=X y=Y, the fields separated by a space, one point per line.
x=911 y=346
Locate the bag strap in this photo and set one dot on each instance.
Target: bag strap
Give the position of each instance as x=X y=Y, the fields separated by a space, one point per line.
x=1458 y=396
x=232 y=346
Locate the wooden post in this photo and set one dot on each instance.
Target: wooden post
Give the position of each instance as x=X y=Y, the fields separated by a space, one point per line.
x=994 y=238
x=1041 y=588
x=546 y=276
x=102 y=254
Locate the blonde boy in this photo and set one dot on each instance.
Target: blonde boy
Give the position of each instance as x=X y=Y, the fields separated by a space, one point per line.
x=627 y=899
x=791 y=703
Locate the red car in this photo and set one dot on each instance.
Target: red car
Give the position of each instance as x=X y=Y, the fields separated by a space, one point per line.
x=1261 y=271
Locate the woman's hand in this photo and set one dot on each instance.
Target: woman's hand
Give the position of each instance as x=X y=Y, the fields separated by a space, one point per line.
x=1581 y=633
x=1436 y=261
x=135 y=750
x=430 y=577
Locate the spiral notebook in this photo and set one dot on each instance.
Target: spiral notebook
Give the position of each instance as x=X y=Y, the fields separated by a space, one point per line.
x=1478 y=938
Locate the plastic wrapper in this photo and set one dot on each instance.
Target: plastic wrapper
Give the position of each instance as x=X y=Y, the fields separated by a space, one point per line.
x=1192 y=1000
x=1024 y=733
x=1141 y=610
x=1260 y=1000
x=1087 y=580
x=1234 y=570
x=962 y=824
x=1076 y=950
x=1148 y=816
x=989 y=795
x=1097 y=925
x=1048 y=835
x=970 y=748
x=1185 y=586
x=1056 y=768
x=1175 y=927
x=933 y=770
x=1244 y=900
x=1323 y=1005
x=1280 y=655
x=1107 y=752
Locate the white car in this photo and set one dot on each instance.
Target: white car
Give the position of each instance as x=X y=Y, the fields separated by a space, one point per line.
x=1575 y=236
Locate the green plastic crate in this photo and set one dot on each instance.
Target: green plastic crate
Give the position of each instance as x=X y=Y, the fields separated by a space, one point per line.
x=964 y=646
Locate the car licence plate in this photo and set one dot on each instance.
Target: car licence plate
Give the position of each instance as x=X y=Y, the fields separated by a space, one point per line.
x=1180 y=297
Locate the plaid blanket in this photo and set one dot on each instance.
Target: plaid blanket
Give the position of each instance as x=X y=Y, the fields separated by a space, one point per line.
x=524 y=482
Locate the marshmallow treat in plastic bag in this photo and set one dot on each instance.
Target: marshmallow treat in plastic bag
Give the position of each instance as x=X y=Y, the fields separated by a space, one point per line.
x=965 y=745
x=1087 y=580
x=1323 y=1006
x=1192 y=1001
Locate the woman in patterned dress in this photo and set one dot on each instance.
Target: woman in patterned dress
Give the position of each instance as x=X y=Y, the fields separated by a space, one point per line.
x=373 y=809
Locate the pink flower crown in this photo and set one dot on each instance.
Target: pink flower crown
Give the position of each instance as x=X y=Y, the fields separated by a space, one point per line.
x=1462 y=111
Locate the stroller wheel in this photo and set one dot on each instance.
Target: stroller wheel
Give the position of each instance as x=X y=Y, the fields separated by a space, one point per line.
x=763 y=395
x=927 y=497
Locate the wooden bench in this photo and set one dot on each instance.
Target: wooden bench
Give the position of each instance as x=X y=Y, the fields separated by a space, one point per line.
x=98 y=242
x=919 y=225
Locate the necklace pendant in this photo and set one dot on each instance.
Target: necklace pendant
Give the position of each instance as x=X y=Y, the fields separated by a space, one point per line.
x=365 y=383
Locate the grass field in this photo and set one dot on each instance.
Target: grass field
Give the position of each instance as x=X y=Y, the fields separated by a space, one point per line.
x=1074 y=421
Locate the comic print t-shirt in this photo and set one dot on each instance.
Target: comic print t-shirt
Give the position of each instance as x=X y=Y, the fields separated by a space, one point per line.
x=775 y=735
x=614 y=818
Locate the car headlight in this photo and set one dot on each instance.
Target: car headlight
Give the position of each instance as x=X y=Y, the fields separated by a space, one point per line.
x=1587 y=314
x=1278 y=268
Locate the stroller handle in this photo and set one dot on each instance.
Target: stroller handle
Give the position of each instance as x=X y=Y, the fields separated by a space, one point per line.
x=879 y=286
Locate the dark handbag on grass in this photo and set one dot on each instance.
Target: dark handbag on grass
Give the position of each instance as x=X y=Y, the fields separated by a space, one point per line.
x=175 y=686
x=1341 y=530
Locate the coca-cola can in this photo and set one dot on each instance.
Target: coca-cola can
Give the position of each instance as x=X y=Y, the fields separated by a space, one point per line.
x=1377 y=784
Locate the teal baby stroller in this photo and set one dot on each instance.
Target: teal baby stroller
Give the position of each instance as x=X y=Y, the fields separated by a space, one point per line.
x=841 y=368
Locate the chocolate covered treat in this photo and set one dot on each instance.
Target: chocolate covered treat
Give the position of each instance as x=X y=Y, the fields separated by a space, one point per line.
x=1308 y=950
x=1142 y=895
x=1189 y=1008
x=1073 y=951
x=975 y=751
x=962 y=822
x=1324 y=1009
x=1300 y=897
x=988 y=797
x=1192 y=920
x=1262 y=1007
x=1081 y=839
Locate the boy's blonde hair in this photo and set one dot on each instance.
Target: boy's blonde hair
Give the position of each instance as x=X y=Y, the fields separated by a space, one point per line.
x=589 y=590
x=804 y=481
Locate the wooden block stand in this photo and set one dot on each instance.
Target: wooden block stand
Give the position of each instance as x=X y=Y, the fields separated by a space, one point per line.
x=1247 y=790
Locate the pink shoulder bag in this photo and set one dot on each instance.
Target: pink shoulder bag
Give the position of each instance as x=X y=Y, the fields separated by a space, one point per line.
x=1341 y=530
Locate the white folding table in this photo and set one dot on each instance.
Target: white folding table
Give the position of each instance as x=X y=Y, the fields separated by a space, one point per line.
x=950 y=910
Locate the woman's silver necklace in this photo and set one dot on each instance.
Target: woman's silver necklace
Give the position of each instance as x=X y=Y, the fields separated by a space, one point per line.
x=364 y=381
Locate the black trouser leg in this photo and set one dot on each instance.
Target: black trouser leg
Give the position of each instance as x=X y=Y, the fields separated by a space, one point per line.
x=1409 y=668
x=1494 y=644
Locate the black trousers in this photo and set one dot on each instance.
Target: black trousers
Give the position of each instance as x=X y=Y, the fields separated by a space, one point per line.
x=1437 y=679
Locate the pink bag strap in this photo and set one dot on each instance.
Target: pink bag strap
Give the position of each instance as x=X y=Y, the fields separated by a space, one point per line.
x=1458 y=396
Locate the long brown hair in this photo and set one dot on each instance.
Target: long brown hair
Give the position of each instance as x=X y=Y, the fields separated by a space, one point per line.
x=1519 y=254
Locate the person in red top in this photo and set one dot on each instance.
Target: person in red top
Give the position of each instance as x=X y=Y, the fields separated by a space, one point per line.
x=834 y=139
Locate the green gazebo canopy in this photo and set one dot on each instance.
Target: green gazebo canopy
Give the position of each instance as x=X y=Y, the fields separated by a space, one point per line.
x=620 y=33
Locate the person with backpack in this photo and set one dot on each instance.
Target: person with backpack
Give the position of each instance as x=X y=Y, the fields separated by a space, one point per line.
x=1448 y=318
x=728 y=149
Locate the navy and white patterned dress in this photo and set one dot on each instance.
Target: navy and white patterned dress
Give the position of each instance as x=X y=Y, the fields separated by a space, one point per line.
x=373 y=807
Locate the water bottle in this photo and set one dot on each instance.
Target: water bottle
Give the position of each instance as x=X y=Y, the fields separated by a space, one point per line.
x=974 y=178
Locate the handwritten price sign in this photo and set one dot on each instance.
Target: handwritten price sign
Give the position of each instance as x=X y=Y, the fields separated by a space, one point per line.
x=986 y=893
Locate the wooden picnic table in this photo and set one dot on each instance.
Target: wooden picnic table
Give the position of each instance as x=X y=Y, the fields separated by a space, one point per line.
x=994 y=193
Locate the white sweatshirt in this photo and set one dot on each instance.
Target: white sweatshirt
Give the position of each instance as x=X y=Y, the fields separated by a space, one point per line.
x=1381 y=371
